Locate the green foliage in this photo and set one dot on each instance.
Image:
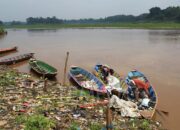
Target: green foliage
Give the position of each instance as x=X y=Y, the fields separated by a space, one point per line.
x=74 y=126
x=155 y=11
x=164 y=17
x=145 y=125
x=95 y=126
x=136 y=124
x=8 y=78
x=1 y=23
x=20 y=119
x=35 y=122
x=168 y=14
x=135 y=25
x=155 y=14
x=80 y=93
x=2 y=31
x=38 y=122
x=40 y=20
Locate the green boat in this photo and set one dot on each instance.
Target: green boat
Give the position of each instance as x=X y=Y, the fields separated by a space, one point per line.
x=42 y=68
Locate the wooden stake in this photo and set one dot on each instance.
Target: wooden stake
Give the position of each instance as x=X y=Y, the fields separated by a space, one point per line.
x=65 y=69
x=108 y=115
x=108 y=118
x=45 y=83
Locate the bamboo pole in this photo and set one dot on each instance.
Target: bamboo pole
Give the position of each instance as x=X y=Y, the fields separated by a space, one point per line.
x=65 y=68
x=108 y=119
x=45 y=83
x=108 y=115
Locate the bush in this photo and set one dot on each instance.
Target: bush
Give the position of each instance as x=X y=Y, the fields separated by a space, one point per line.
x=35 y=122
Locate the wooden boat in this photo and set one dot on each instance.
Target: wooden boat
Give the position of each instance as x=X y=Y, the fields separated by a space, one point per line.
x=119 y=86
x=16 y=59
x=42 y=68
x=134 y=74
x=2 y=51
x=147 y=112
x=87 y=80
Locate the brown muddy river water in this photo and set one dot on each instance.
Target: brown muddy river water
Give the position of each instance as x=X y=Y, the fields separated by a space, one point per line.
x=153 y=52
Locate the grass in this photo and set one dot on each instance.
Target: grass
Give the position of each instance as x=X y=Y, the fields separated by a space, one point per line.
x=95 y=126
x=35 y=122
x=8 y=78
x=148 y=25
x=74 y=126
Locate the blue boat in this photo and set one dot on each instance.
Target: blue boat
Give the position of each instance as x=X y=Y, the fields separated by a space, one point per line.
x=87 y=80
x=134 y=74
x=152 y=99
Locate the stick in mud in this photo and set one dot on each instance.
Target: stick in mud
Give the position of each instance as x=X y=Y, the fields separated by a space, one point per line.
x=109 y=119
x=108 y=115
x=65 y=68
x=45 y=84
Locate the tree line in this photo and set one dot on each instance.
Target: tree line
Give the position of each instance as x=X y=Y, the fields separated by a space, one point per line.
x=40 y=20
x=156 y=14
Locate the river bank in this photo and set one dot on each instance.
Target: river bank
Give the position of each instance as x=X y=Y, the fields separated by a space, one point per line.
x=2 y=31
x=148 y=25
x=25 y=101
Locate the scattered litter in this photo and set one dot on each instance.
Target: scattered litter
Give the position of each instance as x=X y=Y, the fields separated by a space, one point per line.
x=22 y=95
x=127 y=108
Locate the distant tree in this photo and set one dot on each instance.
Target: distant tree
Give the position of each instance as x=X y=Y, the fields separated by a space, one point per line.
x=156 y=14
x=121 y=18
x=40 y=20
x=16 y=23
x=1 y=23
x=178 y=18
x=155 y=11
x=168 y=14
x=172 y=13
x=142 y=17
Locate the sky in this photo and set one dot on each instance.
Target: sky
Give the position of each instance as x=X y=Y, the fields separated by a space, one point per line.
x=74 y=9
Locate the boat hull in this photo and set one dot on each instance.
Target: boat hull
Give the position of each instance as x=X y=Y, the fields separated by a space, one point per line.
x=2 y=51
x=14 y=60
x=85 y=74
x=42 y=68
x=153 y=95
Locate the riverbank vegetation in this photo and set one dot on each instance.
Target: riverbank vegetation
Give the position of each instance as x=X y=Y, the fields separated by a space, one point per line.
x=157 y=18
x=153 y=25
x=2 y=31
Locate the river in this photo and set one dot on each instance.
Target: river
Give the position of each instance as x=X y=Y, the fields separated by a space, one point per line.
x=153 y=52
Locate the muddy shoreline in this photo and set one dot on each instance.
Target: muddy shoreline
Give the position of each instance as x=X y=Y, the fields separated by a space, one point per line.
x=23 y=96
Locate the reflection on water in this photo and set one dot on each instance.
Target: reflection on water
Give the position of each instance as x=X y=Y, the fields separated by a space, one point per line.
x=165 y=32
x=154 y=52
x=41 y=30
x=167 y=35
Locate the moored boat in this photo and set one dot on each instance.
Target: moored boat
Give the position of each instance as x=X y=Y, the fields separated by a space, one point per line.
x=148 y=102
x=16 y=59
x=87 y=80
x=42 y=68
x=5 y=50
x=112 y=80
x=146 y=105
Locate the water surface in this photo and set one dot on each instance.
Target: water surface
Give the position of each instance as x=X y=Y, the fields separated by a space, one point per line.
x=154 y=52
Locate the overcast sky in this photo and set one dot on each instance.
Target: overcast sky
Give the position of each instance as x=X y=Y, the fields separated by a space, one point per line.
x=75 y=9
